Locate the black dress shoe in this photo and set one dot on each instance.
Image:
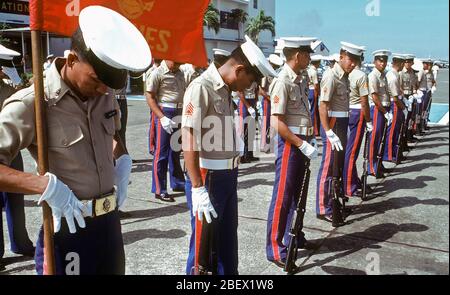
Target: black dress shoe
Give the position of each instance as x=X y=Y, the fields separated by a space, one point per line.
x=387 y=170
x=165 y=198
x=2 y=267
x=308 y=246
x=244 y=160
x=26 y=252
x=325 y=217
x=253 y=159
x=179 y=190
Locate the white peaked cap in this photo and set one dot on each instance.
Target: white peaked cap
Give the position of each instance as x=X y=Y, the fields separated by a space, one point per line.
x=316 y=57
x=382 y=52
x=298 y=42
x=114 y=41
x=257 y=59
x=7 y=54
x=223 y=52
x=276 y=60
x=353 y=49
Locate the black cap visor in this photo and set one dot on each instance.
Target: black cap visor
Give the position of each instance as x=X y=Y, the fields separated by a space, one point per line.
x=110 y=76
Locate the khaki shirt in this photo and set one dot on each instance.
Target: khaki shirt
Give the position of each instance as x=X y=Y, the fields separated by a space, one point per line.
x=430 y=79
x=168 y=86
x=359 y=86
x=190 y=76
x=313 y=77
x=378 y=84
x=265 y=83
x=5 y=92
x=80 y=134
x=422 y=80
x=408 y=81
x=393 y=79
x=334 y=88
x=287 y=99
x=207 y=107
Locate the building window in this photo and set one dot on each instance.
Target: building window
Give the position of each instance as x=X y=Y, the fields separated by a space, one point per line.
x=227 y=22
x=255 y=4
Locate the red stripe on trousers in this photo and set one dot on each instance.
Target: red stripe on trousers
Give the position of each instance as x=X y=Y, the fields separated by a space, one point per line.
x=264 y=129
x=198 y=238
x=372 y=141
x=198 y=223
x=352 y=156
x=156 y=159
x=391 y=135
x=279 y=200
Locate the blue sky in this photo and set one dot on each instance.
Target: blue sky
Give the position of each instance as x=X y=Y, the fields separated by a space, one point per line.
x=406 y=26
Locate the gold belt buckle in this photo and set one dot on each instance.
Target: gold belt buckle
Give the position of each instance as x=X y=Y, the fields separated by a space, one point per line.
x=104 y=205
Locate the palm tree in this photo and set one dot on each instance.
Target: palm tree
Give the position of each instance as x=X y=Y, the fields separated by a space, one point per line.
x=211 y=18
x=240 y=17
x=258 y=24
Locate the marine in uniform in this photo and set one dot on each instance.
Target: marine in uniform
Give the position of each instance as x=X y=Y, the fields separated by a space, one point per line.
x=380 y=105
x=247 y=120
x=334 y=110
x=79 y=187
x=13 y=203
x=431 y=88
x=191 y=73
x=426 y=84
x=151 y=131
x=392 y=151
x=314 y=91
x=409 y=88
x=359 y=120
x=212 y=166
x=291 y=119
x=266 y=136
x=164 y=93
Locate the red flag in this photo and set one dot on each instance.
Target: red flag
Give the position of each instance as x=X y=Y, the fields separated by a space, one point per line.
x=173 y=28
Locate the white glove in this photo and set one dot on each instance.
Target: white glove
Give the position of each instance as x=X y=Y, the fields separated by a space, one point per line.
x=63 y=202
x=410 y=101
x=334 y=140
x=122 y=178
x=418 y=97
x=168 y=124
x=433 y=89
x=313 y=142
x=388 y=116
x=252 y=112
x=259 y=106
x=201 y=204
x=419 y=93
x=405 y=112
x=309 y=150
x=369 y=126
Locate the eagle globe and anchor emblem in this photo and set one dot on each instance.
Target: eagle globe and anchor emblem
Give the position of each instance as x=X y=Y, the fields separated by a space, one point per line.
x=133 y=9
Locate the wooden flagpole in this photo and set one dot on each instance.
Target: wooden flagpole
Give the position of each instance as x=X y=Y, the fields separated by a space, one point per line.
x=41 y=135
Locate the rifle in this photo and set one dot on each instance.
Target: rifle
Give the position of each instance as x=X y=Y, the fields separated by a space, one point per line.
x=297 y=225
x=381 y=151
x=365 y=166
x=206 y=262
x=337 y=192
